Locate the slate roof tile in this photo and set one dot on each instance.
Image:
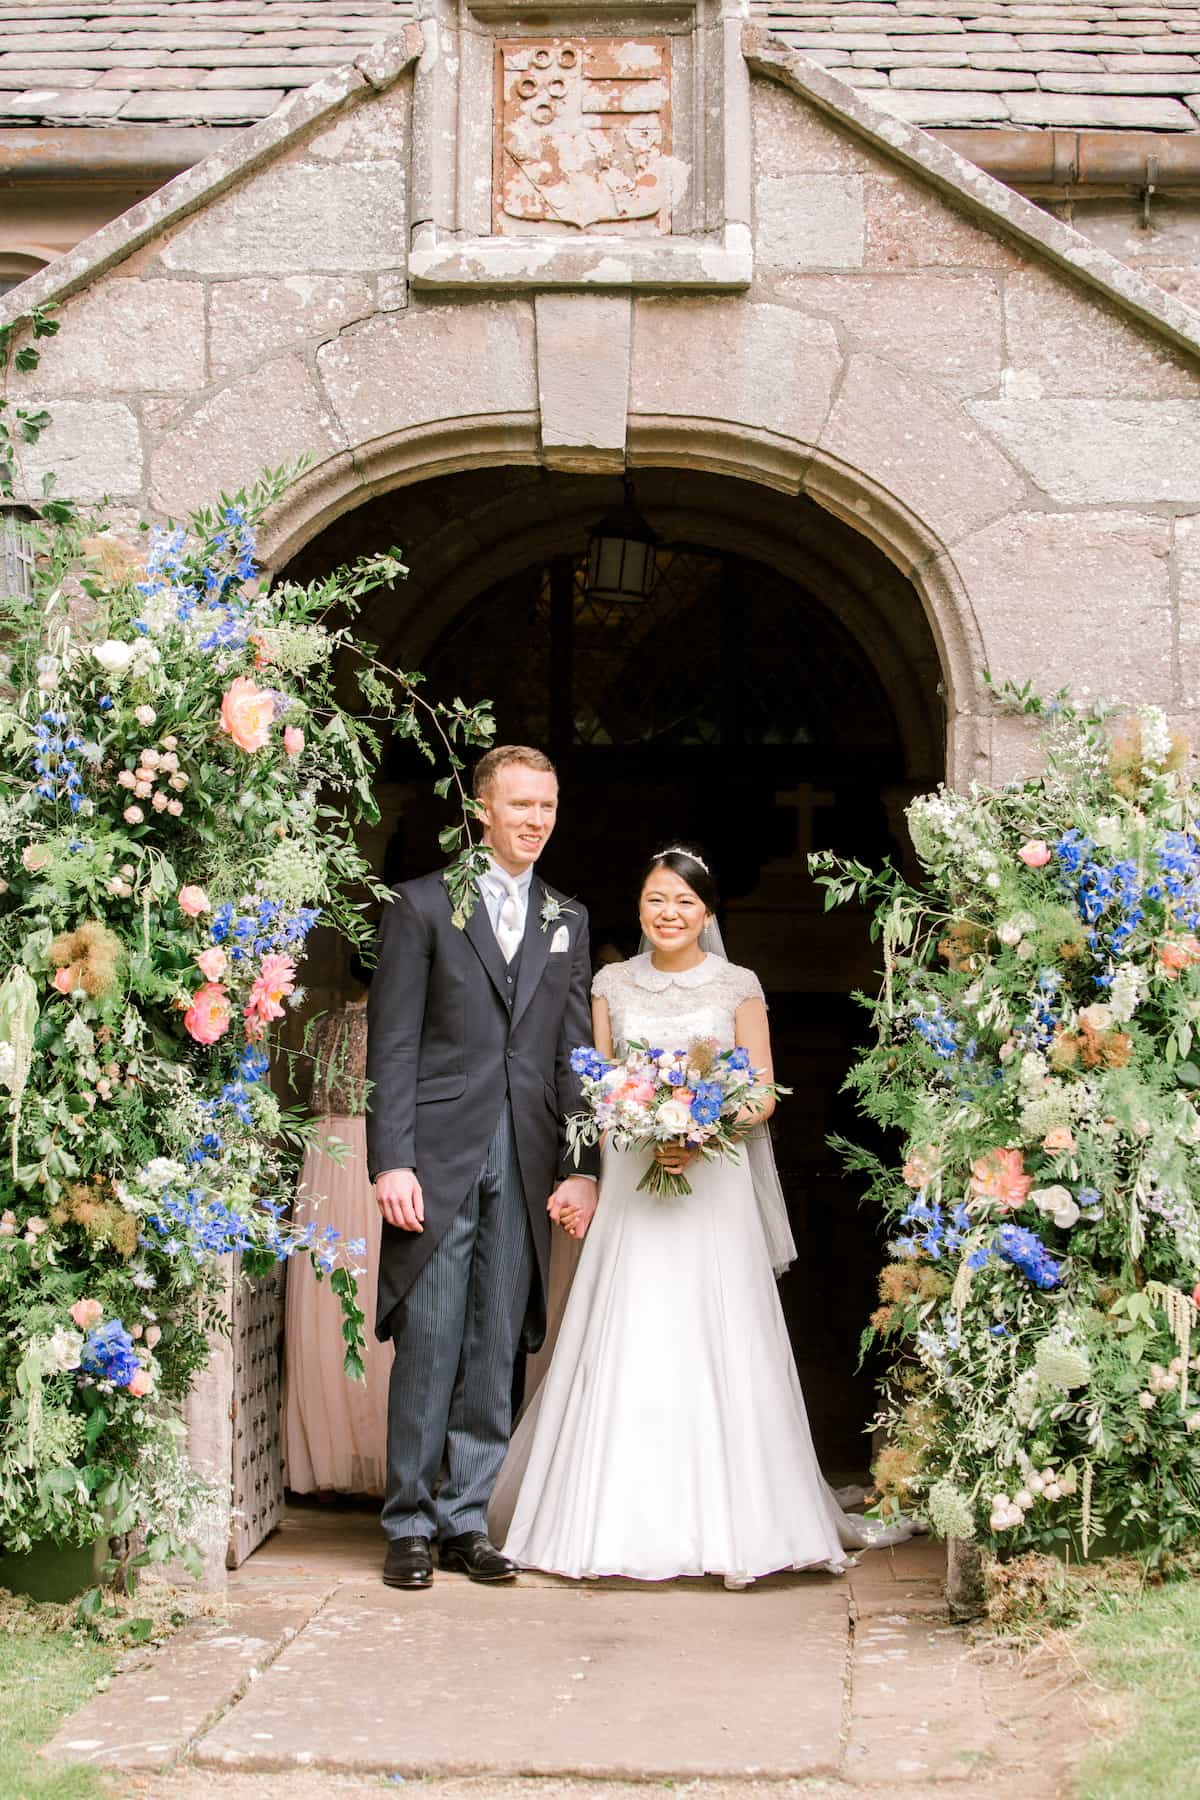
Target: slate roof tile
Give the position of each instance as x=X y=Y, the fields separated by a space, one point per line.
x=1039 y=63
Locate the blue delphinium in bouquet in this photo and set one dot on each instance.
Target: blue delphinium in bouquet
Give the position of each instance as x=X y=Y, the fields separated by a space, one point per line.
x=1035 y=1063
x=178 y=791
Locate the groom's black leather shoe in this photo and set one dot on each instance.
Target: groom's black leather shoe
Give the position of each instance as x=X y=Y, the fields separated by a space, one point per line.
x=475 y=1555
x=408 y=1563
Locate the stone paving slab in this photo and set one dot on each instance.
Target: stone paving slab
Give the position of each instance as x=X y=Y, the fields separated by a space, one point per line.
x=682 y=1682
x=150 y=1715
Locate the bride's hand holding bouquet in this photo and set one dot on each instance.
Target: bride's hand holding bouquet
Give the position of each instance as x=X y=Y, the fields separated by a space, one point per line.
x=676 y=1104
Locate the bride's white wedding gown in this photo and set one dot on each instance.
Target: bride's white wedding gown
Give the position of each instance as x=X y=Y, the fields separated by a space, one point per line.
x=669 y=1436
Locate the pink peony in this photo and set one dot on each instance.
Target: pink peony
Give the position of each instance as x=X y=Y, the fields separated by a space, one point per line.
x=193 y=901
x=211 y=963
x=246 y=713
x=1060 y=1138
x=133 y=815
x=36 y=857
x=272 y=984
x=1000 y=1176
x=87 y=1313
x=293 y=740
x=1035 y=854
x=141 y=1383
x=207 y=1018
x=126 y=778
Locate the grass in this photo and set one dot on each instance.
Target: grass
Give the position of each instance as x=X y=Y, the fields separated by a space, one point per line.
x=1147 y=1655
x=45 y=1674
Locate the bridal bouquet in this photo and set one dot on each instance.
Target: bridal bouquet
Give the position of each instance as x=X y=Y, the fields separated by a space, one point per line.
x=650 y=1097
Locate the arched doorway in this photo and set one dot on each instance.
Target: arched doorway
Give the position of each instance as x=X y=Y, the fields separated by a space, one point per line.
x=776 y=693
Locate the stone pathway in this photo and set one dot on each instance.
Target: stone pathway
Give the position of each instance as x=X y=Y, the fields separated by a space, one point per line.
x=316 y=1681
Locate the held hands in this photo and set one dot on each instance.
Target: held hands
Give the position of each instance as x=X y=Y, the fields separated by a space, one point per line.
x=572 y=1205
x=400 y=1200
x=675 y=1157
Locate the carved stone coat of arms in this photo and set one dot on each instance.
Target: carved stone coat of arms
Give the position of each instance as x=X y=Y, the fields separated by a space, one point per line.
x=583 y=136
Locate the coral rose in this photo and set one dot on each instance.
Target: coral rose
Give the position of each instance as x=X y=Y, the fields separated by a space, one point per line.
x=211 y=963
x=207 y=1018
x=246 y=713
x=1000 y=1176
x=64 y=980
x=1175 y=954
x=1061 y=1137
x=87 y=1313
x=193 y=901
x=140 y=1383
x=293 y=740
x=1035 y=854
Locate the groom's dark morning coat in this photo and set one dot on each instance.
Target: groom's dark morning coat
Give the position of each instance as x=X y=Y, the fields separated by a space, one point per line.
x=452 y=1031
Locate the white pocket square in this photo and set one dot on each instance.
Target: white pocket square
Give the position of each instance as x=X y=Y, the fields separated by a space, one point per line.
x=560 y=941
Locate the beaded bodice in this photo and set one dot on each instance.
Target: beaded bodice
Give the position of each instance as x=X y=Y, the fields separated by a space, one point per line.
x=655 y=1006
x=340 y=1063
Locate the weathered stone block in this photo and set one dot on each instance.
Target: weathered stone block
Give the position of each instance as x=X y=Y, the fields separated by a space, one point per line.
x=237 y=106
x=92 y=446
x=1102 y=451
x=946 y=329
x=252 y=319
x=410 y=368
x=810 y=221
x=910 y=227
x=1071 y=343
x=791 y=138
x=583 y=355
x=375 y=131
x=270 y=416
x=299 y=216
x=1107 y=573
x=128 y=336
x=767 y=366
x=923 y=452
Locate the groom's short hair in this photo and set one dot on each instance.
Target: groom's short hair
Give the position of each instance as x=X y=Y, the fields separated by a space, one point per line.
x=506 y=756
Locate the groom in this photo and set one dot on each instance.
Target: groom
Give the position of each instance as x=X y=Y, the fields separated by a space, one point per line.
x=468 y=1051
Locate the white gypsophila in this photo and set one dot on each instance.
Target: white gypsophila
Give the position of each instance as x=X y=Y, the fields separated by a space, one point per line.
x=1156 y=738
x=162 y=1172
x=160 y=611
x=1125 y=992
x=947 y=827
x=146 y=656
x=79 y=1036
x=1034 y=1069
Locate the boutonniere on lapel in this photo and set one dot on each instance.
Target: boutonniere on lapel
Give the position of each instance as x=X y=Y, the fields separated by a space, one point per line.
x=554 y=912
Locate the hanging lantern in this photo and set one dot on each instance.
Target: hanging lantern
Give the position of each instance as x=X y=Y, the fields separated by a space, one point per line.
x=16 y=550
x=620 y=565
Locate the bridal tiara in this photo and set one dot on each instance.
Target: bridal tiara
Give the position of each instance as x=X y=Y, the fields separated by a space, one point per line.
x=682 y=850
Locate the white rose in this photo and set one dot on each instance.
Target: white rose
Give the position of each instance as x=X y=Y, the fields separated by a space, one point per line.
x=1052 y=1200
x=1097 y=1017
x=64 y=1349
x=1065 y=1216
x=113 y=656
x=1009 y=933
x=674 y=1117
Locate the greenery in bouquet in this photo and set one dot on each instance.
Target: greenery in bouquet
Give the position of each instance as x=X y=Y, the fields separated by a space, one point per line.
x=1034 y=1056
x=178 y=796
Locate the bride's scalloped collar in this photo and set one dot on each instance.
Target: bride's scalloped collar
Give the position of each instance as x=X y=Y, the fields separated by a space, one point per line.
x=645 y=974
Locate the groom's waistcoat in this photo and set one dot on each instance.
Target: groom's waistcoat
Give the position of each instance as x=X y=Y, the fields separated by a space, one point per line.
x=454 y=1035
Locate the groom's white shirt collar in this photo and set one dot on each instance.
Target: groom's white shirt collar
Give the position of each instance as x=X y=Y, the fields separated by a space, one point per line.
x=495 y=892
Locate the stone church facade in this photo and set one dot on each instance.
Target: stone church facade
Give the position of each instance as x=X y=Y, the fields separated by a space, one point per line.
x=494 y=259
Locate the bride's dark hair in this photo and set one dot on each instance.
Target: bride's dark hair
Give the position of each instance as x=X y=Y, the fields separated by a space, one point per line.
x=689 y=864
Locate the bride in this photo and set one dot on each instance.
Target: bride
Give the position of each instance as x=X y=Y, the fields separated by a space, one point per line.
x=669 y=1436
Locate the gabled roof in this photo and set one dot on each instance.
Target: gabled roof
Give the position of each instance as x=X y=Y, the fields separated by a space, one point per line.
x=179 y=62
x=1036 y=63
x=1083 y=64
